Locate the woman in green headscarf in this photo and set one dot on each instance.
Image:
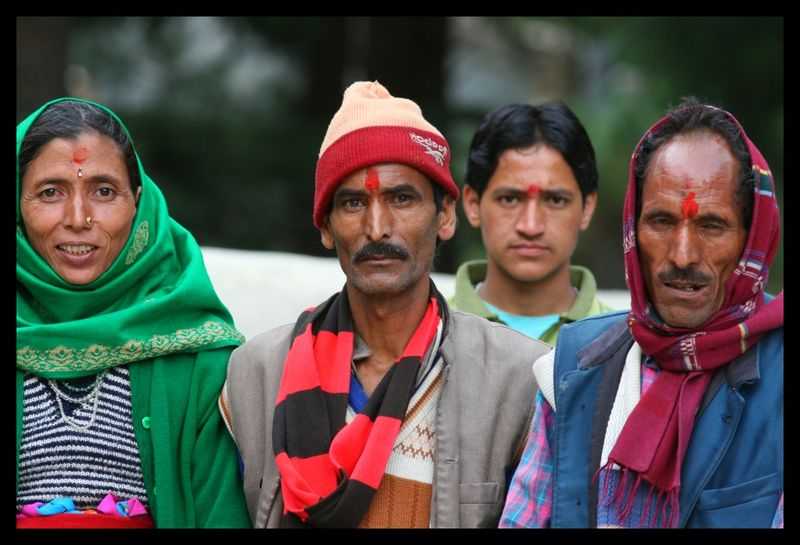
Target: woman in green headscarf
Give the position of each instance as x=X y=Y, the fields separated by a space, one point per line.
x=122 y=343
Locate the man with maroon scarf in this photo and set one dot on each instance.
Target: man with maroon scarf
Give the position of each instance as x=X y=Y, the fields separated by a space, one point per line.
x=380 y=407
x=671 y=415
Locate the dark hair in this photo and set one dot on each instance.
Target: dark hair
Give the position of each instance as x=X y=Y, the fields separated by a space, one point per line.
x=438 y=200
x=438 y=196
x=692 y=116
x=68 y=120
x=519 y=126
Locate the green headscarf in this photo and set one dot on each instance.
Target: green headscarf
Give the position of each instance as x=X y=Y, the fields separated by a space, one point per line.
x=155 y=299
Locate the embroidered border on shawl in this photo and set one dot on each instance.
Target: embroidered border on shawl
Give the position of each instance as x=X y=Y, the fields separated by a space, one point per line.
x=98 y=356
x=139 y=242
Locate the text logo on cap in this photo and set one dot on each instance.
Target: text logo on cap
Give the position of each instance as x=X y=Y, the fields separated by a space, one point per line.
x=435 y=150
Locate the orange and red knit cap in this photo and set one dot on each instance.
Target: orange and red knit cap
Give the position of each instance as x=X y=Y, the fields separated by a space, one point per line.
x=373 y=127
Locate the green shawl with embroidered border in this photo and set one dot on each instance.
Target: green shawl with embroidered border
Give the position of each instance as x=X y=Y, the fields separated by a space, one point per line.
x=154 y=300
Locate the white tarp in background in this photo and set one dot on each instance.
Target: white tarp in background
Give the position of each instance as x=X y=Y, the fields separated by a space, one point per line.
x=267 y=289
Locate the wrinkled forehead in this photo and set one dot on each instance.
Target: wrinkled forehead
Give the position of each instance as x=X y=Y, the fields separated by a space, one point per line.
x=385 y=175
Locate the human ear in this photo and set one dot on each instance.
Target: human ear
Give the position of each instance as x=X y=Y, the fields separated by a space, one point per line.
x=326 y=236
x=589 y=206
x=447 y=218
x=471 y=203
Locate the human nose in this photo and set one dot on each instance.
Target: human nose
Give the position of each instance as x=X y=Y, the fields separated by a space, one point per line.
x=530 y=222
x=685 y=250
x=77 y=213
x=378 y=220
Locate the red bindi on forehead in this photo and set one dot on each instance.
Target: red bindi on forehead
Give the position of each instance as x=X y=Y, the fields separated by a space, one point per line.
x=689 y=206
x=533 y=191
x=80 y=155
x=373 y=182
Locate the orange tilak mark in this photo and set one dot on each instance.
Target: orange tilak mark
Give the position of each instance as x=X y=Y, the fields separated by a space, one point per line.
x=533 y=191
x=80 y=155
x=689 y=206
x=372 y=183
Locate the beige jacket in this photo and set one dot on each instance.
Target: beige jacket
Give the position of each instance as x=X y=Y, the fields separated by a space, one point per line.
x=484 y=413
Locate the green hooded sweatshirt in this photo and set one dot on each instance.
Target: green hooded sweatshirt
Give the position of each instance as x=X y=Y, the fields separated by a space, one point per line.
x=471 y=273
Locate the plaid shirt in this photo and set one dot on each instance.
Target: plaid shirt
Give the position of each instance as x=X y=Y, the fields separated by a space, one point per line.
x=777 y=520
x=529 y=503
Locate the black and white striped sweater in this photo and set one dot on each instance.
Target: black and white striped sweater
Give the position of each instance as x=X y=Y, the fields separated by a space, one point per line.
x=57 y=460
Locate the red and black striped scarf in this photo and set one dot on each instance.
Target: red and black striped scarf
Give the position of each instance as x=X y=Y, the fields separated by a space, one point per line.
x=330 y=471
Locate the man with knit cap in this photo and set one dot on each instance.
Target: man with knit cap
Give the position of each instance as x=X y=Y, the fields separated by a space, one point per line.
x=380 y=407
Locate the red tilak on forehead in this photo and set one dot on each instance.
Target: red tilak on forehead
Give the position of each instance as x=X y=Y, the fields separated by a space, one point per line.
x=689 y=206
x=533 y=191
x=372 y=183
x=80 y=155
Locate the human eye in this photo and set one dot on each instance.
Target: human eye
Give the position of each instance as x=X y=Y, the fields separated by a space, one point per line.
x=48 y=194
x=106 y=192
x=660 y=221
x=508 y=200
x=558 y=201
x=351 y=203
x=712 y=227
x=402 y=198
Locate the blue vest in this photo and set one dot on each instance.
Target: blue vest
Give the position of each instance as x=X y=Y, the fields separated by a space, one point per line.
x=732 y=475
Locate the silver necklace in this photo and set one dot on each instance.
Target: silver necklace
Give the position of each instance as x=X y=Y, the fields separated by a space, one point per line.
x=92 y=397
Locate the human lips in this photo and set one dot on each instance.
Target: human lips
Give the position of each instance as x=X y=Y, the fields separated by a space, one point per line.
x=529 y=248
x=690 y=287
x=379 y=257
x=690 y=294
x=77 y=254
x=76 y=248
x=380 y=261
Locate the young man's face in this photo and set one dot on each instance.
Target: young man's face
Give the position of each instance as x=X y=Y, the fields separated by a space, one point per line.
x=383 y=224
x=690 y=230
x=530 y=213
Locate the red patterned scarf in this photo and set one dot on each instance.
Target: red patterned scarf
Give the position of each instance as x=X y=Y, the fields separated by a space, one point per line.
x=656 y=434
x=330 y=471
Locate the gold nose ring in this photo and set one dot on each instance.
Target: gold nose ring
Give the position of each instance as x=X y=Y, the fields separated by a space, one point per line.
x=89 y=221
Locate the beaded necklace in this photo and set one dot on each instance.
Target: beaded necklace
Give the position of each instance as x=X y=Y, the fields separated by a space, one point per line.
x=91 y=397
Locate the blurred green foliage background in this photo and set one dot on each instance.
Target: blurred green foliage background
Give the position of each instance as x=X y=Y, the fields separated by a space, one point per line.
x=228 y=113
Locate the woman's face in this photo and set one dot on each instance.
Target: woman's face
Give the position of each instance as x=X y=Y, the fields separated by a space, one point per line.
x=77 y=205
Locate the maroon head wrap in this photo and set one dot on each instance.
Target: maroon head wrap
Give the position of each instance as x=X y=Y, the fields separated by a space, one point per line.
x=656 y=434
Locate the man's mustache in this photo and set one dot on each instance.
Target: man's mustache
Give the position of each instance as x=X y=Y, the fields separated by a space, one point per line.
x=379 y=248
x=684 y=276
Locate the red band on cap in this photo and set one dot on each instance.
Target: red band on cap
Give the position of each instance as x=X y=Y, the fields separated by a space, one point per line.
x=368 y=146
